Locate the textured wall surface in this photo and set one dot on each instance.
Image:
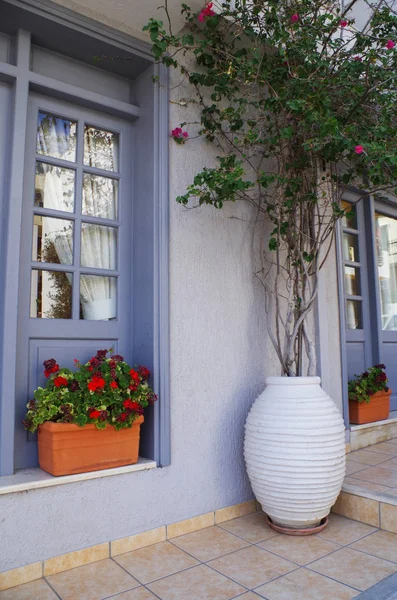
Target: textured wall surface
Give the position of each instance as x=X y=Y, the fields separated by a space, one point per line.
x=220 y=355
x=217 y=370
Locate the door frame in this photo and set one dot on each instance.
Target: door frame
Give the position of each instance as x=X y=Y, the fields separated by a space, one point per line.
x=151 y=345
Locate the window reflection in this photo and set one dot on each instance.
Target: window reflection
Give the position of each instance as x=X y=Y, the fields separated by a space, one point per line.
x=54 y=187
x=100 y=196
x=98 y=298
x=51 y=295
x=386 y=247
x=354 y=314
x=100 y=149
x=56 y=137
x=52 y=240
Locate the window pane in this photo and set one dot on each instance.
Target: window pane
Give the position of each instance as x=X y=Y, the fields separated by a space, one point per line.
x=56 y=137
x=98 y=246
x=354 y=314
x=386 y=245
x=100 y=196
x=350 y=247
x=351 y=220
x=54 y=187
x=100 y=149
x=52 y=240
x=98 y=298
x=352 y=281
x=51 y=295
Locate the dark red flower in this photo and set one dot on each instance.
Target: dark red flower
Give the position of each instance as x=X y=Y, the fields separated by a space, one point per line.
x=381 y=366
x=144 y=372
x=122 y=417
x=133 y=387
x=74 y=385
x=60 y=381
x=117 y=358
x=101 y=355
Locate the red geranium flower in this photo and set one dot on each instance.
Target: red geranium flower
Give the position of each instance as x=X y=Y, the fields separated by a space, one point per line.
x=134 y=375
x=114 y=385
x=60 y=381
x=133 y=387
x=96 y=383
x=94 y=414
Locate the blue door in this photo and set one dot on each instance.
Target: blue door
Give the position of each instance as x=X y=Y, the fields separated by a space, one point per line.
x=75 y=288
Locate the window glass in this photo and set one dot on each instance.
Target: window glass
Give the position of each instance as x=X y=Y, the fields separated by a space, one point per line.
x=51 y=294
x=56 y=137
x=100 y=196
x=101 y=149
x=98 y=246
x=54 y=187
x=354 y=314
x=386 y=249
x=351 y=220
x=52 y=240
x=352 y=281
x=98 y=298
x=350 y=247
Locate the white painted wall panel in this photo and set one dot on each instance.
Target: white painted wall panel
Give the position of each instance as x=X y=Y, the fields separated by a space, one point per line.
x=77 y=73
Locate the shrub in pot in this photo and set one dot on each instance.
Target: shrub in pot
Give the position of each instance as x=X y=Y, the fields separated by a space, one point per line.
x=300 y=103
x=89 y=419
x=369 y=396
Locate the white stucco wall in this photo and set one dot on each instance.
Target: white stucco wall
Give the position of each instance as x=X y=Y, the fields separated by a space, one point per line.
x=220 y=355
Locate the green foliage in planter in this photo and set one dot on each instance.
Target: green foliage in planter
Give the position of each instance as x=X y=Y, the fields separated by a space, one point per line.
x=105 y=390
x=301 y=104
x=368 y=383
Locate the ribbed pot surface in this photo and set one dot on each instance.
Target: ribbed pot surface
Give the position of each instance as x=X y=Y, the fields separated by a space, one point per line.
x=294 y=450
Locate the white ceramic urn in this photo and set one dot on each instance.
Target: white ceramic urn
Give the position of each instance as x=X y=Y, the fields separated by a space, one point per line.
x=294 y=450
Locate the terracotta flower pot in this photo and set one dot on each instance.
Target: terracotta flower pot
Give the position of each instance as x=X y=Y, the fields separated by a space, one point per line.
x=66 y=449
x=377 y=409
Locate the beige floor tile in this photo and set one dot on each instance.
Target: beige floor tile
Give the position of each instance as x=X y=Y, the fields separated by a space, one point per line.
x=388 y=517
x=389 y=447
x=367 y=485
x=199 y=583
x=252 y=528
x=378 y=475
x=140 y=593
x=381 y=543
x=92 y=582
x=252 y=566
x=355 y=467
x=249 y=596
x=301 y=550
x=306 y=585
x=209 y=543
x=390 y=464
x=367 y=458
x=358 y=508
x=155 y=562
x=345 y=531
x=36 y=590
x=353 y=568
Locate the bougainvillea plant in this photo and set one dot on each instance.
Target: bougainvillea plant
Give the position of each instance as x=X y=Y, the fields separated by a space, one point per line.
x=368 y=383
x=301 y=103
x=104 y=390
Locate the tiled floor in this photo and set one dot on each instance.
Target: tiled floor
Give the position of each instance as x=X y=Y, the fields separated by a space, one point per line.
x=242 y=558
x=374 y=469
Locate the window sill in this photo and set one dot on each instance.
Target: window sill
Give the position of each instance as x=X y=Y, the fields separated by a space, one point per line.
x=32 y=479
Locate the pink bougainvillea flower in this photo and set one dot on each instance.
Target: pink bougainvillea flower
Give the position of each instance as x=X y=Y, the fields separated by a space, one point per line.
x=390 y=44
x=343 y=23
x=179 y=135
x=358 y=58
x=294 y=18
x=206 y=12
x=358 y=149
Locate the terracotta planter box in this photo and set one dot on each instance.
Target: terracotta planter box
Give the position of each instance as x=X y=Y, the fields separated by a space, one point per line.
x=66 y=449
x=377 y=409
